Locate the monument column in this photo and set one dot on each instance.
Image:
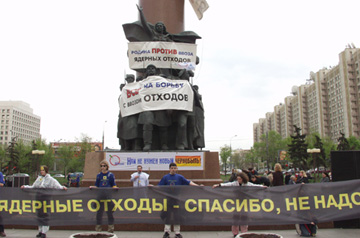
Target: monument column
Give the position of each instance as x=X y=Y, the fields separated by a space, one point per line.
x=170 y=12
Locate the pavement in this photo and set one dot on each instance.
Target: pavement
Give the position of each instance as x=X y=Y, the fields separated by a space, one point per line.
x=322 y=233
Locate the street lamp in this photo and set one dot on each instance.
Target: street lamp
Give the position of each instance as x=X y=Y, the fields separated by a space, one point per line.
x=37 y=153
x=230 y=150
x=312 y=152
x=103 y=137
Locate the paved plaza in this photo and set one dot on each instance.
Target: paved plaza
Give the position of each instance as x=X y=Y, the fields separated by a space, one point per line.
x=322 y=233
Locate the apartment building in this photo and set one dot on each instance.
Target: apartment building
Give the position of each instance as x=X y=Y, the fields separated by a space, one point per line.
x=17 y=120
x=328 y=103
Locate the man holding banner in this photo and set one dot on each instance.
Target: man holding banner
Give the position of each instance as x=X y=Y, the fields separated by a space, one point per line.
x=173 y=179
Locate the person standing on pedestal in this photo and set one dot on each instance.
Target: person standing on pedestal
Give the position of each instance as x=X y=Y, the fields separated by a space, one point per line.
x=139 y=178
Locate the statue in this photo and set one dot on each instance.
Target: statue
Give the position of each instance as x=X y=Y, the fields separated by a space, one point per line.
x=186 y=128
x=160 y=118
x=128 y=130
x=145 y=31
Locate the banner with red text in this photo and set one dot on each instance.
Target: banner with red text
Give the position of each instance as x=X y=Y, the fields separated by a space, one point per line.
x=156 y=93
x=169 y=55
x=155 y=160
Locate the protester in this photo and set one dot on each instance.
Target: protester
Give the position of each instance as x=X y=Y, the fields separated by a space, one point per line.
x=174 y=179
x=287 y=177
x=77 y=181
x=278 y=177
x=105 y=179
x=292 y=180
x=139 y=178
x=260 y=180
x=44 y=181
x=2 y=230
x=69 y=179
x=242 y=179
x=302 y=178
x=325 y=177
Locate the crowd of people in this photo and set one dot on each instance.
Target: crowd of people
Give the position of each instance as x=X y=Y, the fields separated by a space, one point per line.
x=278 y=177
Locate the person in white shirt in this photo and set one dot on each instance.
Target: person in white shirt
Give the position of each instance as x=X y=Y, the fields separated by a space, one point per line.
x=139 y=178
x=44 y=181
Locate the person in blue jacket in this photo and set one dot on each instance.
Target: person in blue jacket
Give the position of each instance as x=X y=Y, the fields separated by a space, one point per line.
x=174 y=179
x=105 y=179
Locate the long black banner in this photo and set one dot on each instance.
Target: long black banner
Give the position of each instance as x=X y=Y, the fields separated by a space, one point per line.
x=185 y=205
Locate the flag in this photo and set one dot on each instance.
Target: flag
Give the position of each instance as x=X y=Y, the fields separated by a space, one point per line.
x=200 y=6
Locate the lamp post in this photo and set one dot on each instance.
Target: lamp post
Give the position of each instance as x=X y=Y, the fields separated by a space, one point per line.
x=312 y=152
x=37 y=153
x=103 y=136
x=230 y=150
x=56 y=152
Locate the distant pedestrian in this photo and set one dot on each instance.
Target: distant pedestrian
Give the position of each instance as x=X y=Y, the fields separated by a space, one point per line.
x=302 y=178
x=325 y=177
x=292 y=180
x=278 y=177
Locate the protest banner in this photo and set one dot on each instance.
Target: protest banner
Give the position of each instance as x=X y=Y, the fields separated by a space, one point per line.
x=185 y=205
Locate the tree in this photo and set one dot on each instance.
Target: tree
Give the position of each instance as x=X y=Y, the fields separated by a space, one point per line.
x=3 y=158
x=225 y=154
x=354 y=143
x=13 y=155
x=66 y=155
x=298 y=149
x=329 y=146
x=268 y=148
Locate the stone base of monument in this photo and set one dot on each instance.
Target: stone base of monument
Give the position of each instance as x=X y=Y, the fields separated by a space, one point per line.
x=208 y=176
x=93 y=235
x=258 y=235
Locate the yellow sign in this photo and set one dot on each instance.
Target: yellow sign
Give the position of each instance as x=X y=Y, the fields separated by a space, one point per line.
x=188 y=161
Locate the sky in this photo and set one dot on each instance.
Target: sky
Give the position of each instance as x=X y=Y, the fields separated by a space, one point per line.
x=67 y=58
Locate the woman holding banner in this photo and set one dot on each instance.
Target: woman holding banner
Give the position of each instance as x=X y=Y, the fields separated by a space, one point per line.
x=105 y=179
x=44 y=181
x=242 y=179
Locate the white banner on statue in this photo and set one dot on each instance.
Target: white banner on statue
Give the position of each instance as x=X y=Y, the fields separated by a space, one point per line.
x=156 y=93
x=168 y=55
x=155 y=160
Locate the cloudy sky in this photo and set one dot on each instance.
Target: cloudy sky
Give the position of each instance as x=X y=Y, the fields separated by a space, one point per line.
x=67 y=59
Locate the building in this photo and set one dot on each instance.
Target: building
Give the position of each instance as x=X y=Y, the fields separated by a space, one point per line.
x=329 y=103
x=17 y=120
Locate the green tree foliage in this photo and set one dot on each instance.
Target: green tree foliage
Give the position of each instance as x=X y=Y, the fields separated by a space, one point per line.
x=13 y=154
x=298 y=149
x=268 y=148
x=225 y=153
x=354 y=143
x=66 y=156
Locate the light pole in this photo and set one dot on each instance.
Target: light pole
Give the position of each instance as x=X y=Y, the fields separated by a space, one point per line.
x=37 y=153
x=230 y=150
x=56 y=152
x=312 y=152
x=103 y=136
